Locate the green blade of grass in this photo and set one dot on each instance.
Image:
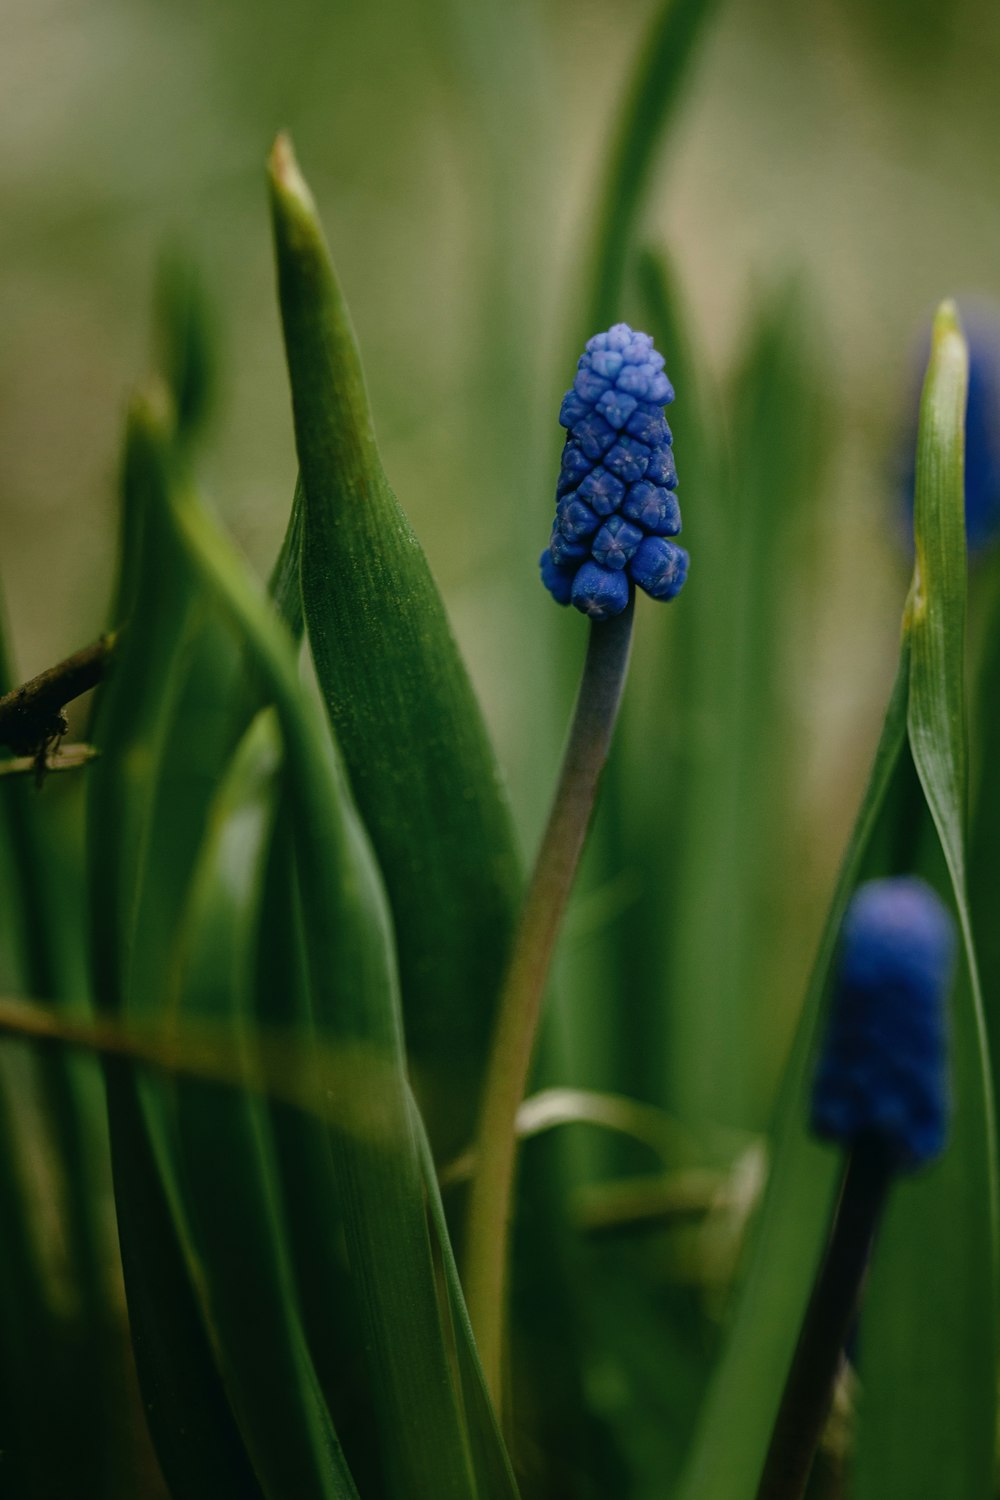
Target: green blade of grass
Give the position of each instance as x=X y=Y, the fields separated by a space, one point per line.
x=29 y=1330
x=355 y=1000
x=412 y=735
x=734 y=1429
x=227 y=1152
x=929 y=1329
x=185 y=342
x=493 y=1466
x=654 y=91
x=285 y=586
x=984 y=831
x=306 y=1173
x=29 y=1334
x=190 y=1421
x=726 y=722
x=46 y=937
x=166 y=723
x=678 y=1050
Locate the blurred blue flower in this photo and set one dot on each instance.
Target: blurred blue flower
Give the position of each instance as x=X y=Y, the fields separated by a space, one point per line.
x=882 y=1073
x=981 y=325
x=615 y=504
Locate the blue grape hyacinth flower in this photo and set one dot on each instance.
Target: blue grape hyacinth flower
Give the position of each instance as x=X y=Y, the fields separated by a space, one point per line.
x=616 y=510
x=883 y=1071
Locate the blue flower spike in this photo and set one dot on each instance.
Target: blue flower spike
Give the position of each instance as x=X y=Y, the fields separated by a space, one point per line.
x=883 y=1074
x=881 y=1091
x=616 y=502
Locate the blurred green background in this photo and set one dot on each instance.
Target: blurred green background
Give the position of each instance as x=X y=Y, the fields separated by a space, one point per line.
x=456 y=150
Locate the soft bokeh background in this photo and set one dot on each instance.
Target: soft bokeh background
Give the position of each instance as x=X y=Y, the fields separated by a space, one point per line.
x=456 y=150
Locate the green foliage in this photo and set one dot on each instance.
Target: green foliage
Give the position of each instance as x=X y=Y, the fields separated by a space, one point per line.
x=949 y=1448
x=399 y=700
x=285 y=924
x=940 y=1440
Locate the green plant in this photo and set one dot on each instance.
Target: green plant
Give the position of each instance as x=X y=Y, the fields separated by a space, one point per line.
x=302 y=897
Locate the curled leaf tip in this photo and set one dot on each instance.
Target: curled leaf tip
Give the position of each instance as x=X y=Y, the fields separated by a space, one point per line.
x=616 y=509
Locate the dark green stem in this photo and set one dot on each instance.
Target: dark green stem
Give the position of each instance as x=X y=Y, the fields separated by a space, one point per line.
x=31 y=715
x=833 y=1307
x=524 y=987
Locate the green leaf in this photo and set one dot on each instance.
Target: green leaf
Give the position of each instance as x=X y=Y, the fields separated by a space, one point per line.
x=179 y=699
x=45 y=942
x=733 y=742
x=932 y=1305
x=929 y=1329
x=664 y=62
x=285 y=585
x=787 y=1240
x=421 y=767
x=196 y=1439
x=306 y=1170
x=29 y=1333
x=494 y=1471
x=229 y=1178
x=185 y=342
x=984 y=830
x=355 y=1002
x=935 y=615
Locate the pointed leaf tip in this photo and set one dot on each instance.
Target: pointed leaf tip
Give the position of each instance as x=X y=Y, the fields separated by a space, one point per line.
x=151 y=410
x=283 y=170
x=946 y=319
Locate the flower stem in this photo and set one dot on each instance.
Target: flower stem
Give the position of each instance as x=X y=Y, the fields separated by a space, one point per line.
x=832 y=1309
x=486 y=1252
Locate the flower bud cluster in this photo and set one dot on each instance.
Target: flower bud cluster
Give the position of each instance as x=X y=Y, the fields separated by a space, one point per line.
x=883 y=1071
x=615 y=503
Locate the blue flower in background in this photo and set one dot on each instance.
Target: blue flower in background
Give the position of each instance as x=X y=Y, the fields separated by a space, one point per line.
x=981 y=325
x=615 y=502
x=883 y=1071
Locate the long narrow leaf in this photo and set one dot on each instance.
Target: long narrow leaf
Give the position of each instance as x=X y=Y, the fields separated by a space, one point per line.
x=412 y=735
x=355 y=1000
x=493 y=1466
x=735 y=1426
x=196 y=1439
x=306 y=1169
x=929 y=1334
x=664 y=61
x=229 y=1178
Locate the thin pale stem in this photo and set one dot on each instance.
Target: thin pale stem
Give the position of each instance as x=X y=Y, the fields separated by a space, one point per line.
x=520 y=1004
x=833 y=1307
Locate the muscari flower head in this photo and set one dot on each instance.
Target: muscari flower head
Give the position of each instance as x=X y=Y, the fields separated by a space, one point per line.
x=616 y=509
x=981 y=326
x=882 y=1074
